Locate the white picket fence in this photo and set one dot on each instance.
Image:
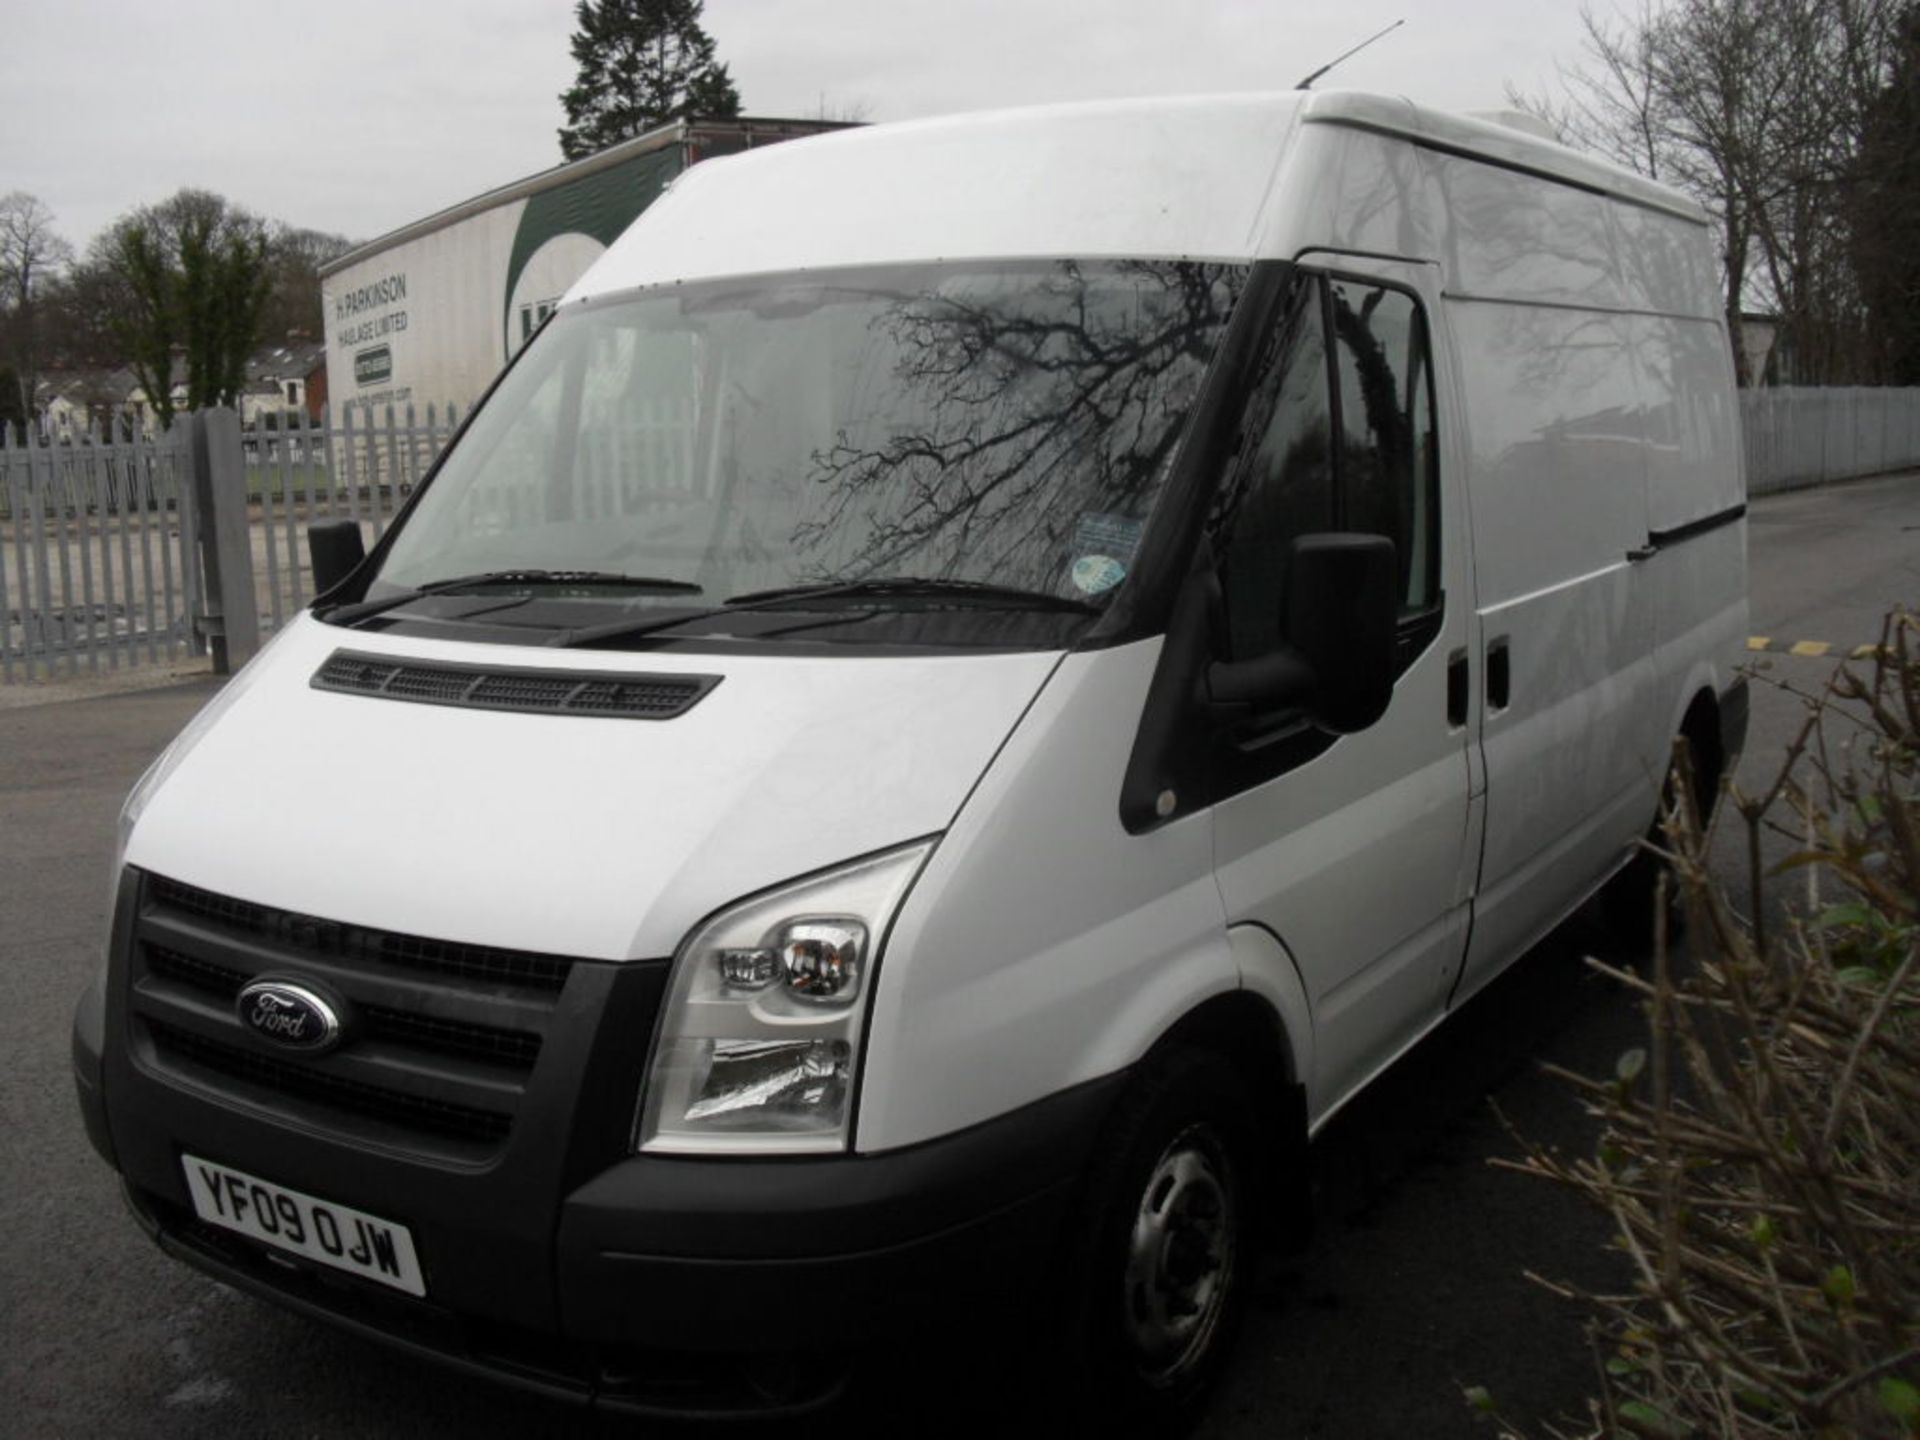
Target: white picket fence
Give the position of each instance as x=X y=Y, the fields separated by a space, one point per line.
x=1800 y=435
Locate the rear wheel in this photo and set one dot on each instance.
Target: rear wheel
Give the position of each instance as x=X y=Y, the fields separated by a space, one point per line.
x=1163 y=1245
x=1629 y=899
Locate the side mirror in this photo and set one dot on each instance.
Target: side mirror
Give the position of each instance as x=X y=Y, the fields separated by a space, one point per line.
x=336 y=550
x=1340 y=621
x=1343 y=602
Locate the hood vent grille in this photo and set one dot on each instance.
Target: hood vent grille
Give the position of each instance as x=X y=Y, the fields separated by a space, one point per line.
x=540 y=692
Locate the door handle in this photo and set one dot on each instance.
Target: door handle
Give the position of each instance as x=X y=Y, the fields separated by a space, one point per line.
x=1458 y=691
x=1499 y=674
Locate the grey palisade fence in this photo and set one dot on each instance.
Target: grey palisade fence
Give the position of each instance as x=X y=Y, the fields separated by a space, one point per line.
x=121 y=549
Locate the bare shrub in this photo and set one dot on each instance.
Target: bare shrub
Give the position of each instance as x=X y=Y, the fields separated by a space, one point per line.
x=1760 y=1156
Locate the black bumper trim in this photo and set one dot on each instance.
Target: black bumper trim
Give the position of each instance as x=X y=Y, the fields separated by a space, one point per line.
x=659 y=1250
x=669 y=1271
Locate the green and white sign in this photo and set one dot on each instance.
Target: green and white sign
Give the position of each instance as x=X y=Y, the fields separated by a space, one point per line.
x=374 y=366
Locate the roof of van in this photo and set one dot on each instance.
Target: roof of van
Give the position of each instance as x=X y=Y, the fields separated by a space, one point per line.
x=1506 y=145
x=1048 y=180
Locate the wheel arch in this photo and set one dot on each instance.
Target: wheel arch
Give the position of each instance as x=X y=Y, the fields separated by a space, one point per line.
x=1247 y=1031
x=1700 y=727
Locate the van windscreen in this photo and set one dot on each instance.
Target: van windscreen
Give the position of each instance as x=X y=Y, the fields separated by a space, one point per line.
x=1008 y=426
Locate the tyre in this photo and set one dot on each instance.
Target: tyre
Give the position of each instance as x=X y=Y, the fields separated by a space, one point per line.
x=1164 y=1246
x=1630 y=900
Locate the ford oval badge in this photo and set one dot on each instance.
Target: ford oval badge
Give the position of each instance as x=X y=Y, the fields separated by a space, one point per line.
x=289 y=1015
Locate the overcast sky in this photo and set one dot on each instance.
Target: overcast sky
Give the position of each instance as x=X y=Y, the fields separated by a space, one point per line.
x=358 y=116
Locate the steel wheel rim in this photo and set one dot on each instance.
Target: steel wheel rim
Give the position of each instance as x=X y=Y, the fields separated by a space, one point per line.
x=1180 y=1257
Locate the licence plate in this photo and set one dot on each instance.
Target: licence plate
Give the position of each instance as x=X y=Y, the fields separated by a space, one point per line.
x=318 y=1230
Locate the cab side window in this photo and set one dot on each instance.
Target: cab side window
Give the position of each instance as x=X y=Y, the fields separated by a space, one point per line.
x=1339 y=435
x=1387 y=477
x=1286 y=489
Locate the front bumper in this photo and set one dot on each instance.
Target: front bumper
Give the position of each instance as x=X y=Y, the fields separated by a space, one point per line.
x=558 y=1261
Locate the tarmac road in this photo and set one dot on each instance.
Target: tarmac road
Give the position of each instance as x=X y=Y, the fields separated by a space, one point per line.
x=1412 y=1287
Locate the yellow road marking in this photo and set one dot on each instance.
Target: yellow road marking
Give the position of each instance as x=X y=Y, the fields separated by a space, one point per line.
x=1811 y=649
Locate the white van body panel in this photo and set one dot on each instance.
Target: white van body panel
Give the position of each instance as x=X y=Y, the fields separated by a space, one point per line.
x=601 y=838
x=1043 y=945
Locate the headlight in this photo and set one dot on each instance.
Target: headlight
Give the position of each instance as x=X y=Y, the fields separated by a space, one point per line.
x=760 y=1038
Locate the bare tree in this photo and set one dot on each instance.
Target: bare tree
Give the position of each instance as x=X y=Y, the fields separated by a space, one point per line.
x=1029 y=404
x=294 y=261
x=1759 y=109
x=855 y=111
x=31 y=259
x=1886 y=205
x=1611 y=106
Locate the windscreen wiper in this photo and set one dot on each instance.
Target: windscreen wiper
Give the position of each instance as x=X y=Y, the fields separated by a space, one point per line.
x=916 y=587
x=366 y=609
x=972 y=592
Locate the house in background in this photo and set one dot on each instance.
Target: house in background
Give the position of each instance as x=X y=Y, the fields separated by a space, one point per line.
x=68 y=404
x=287 y=377
x=317 y=384
x=279 y=379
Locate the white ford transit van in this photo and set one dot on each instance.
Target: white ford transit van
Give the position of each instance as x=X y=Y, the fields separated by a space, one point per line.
x=976 y=682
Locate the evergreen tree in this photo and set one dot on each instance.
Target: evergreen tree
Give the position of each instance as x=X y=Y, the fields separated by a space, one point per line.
x=642 y=62
x=188 y=279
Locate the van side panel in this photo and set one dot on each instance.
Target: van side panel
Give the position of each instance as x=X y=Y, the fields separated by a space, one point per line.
x=1557 y=487
x=1686 y=380
x=1695 y=576
x=1665 y=265
x=1043 y=946
x=1524 y=240
x=1572 y=735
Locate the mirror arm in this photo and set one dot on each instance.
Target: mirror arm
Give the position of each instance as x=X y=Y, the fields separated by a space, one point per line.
x=1234 y=689
x=335 y=549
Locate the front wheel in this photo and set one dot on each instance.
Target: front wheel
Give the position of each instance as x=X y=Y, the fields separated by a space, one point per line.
x=1163 y=1244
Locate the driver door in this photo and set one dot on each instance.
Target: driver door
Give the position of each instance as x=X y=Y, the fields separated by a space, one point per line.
x=1358 y=853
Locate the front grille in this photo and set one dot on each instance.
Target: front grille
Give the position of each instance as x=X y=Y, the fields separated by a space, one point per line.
x=278 y=1077
x=440 y=1040
x=201 y=974
x=517 y=1049
x=302 y=934
x=542 y=692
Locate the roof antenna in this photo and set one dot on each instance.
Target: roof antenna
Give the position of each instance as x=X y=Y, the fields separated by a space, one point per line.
x=1307 y=84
